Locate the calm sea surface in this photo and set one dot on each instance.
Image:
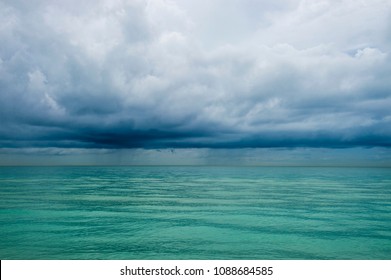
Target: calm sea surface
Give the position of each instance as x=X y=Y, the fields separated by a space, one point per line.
x=195 y=213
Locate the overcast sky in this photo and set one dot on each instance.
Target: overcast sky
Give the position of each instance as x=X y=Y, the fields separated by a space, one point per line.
x=102 y=77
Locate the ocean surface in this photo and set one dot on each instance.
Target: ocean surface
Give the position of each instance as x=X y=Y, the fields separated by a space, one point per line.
x=174 y=212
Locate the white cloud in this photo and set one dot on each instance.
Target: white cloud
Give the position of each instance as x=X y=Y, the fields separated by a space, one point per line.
x=195 y=72
x=345 y=24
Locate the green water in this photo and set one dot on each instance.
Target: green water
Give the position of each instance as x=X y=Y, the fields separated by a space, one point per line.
x=195 y=213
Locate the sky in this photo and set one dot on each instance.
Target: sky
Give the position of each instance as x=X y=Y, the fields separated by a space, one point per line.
x=195 y=82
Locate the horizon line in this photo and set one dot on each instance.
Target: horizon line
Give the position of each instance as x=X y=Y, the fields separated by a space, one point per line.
x=196 y=165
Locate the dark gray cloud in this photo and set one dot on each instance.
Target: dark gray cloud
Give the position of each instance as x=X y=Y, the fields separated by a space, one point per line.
x=152 y=74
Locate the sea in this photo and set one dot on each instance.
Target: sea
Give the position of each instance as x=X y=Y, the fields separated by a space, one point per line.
x=195 y=213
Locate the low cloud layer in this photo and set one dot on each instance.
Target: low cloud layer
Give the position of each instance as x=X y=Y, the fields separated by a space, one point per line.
x=195 y=74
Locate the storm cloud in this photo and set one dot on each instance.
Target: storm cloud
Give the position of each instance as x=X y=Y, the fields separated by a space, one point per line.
x=195 y=74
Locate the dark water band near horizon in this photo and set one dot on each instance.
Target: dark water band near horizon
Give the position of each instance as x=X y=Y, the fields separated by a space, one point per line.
x=195 y=212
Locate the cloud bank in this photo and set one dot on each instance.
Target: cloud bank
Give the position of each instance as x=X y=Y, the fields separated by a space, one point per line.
x=195 y=74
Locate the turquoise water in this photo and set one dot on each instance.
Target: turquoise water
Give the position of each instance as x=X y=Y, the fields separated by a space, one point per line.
x=195 y=213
